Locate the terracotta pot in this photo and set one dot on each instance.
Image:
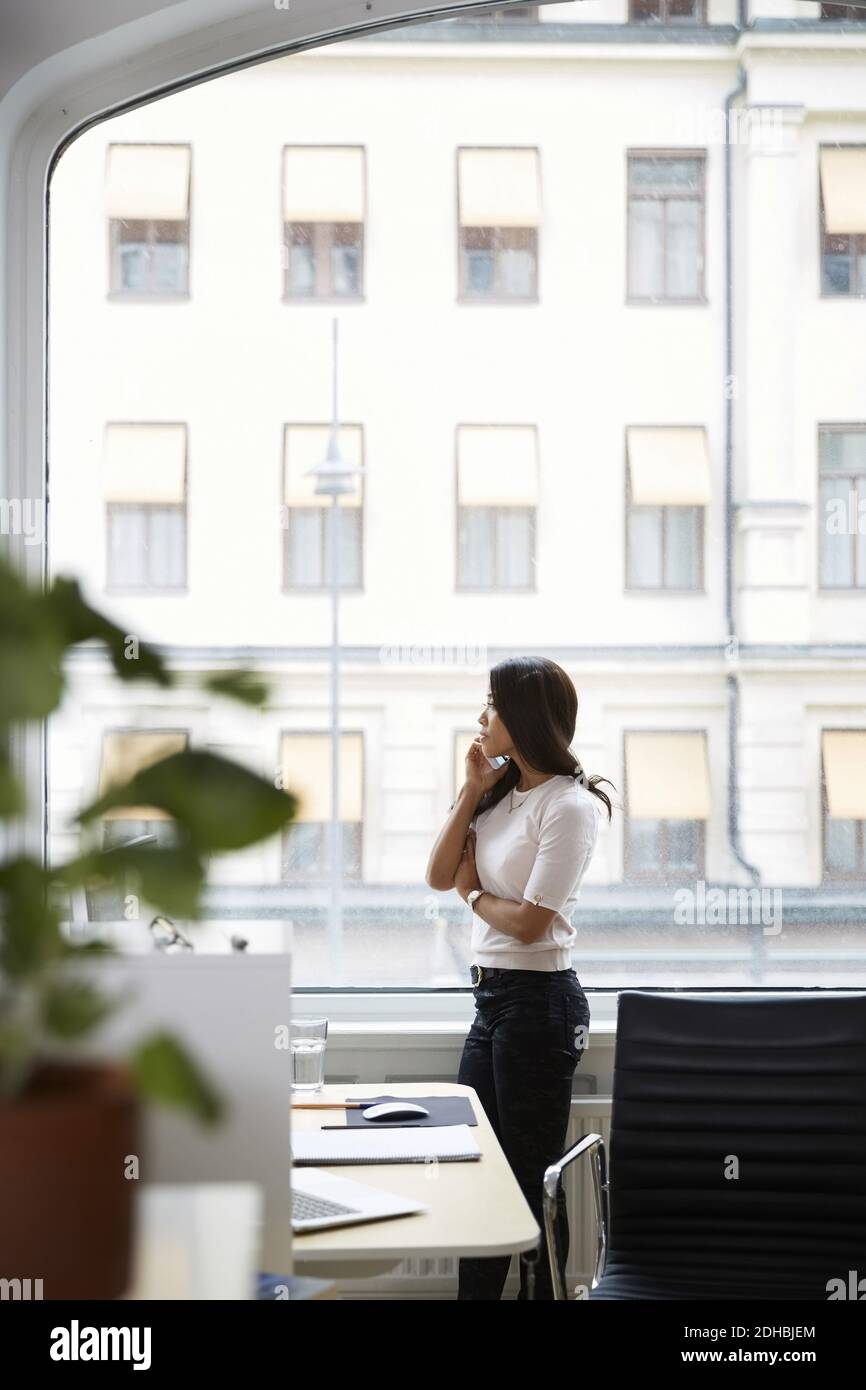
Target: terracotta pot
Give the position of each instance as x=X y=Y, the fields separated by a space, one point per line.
x=66 y=1206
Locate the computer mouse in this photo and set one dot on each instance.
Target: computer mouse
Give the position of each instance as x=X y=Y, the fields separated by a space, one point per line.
x=395 y=1110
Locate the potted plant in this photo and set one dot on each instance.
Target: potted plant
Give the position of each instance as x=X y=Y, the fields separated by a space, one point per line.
x=67 y=1125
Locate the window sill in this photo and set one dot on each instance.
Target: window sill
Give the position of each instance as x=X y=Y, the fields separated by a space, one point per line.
x=137 y=297
x=313 y=299
x=497 y=300
x=654 y=593
x=666 y=303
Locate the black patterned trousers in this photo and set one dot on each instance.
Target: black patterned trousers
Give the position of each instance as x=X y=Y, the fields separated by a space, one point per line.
x=529 y=1032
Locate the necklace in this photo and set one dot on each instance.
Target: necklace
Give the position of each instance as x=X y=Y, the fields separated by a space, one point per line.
x=512 y=806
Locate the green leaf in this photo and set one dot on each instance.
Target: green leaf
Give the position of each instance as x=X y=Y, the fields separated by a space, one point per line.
x=31 y=678
x=31 y=938
x=222 y=805
x=170 y=877
x=11 y=795
x=70 y=1009
x=166 y=1073
x=244 y=686
x=76 y=621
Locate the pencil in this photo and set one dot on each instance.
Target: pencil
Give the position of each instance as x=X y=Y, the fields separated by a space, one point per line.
x=329 y=1104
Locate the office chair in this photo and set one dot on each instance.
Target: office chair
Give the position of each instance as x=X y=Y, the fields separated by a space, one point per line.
x=737 y=1150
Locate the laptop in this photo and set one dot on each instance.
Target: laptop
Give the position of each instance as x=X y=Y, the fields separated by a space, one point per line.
x=321 y=1200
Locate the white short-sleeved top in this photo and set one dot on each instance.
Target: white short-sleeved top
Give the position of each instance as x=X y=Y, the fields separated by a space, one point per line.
x=540 y=852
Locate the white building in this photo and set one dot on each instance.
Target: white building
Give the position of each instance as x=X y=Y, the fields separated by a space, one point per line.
x=586 y=429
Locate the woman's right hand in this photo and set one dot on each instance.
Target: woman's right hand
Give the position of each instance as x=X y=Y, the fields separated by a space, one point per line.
x=480 y=776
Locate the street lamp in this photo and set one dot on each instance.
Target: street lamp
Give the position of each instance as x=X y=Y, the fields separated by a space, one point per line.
x=335 y=477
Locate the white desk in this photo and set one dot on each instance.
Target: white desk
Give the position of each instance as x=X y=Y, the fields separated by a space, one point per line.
x=476 y=1207
x=196 y=1240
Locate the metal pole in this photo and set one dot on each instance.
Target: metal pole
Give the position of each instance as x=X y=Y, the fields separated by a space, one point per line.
x=335 y=923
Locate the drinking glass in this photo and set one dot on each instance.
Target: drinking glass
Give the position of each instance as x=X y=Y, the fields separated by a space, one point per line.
x=308 y=1039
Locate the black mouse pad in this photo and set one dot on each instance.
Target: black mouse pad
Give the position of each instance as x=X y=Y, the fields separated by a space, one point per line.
x=444 y=1110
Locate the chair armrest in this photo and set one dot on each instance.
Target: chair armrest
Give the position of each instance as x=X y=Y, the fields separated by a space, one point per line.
x=593 y=1145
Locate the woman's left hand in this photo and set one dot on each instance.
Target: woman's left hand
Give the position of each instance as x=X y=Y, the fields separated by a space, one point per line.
x=466 y=877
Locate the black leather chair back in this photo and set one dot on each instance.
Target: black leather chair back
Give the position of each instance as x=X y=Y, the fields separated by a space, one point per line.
x=738 y=1144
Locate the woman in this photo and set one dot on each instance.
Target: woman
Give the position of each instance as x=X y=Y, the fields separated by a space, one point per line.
x=516 y=845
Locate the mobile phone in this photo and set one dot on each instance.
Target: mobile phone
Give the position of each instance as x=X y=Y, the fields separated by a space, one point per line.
x=499 y=761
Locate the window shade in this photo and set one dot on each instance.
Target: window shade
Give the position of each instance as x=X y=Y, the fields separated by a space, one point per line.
x=667 y=776
x=498 y=188
x=497 y=465
x=306 y=445
x=306 y=769
x=844 y=756
x=843 y=187
x=148 y=181
x=145 y=463
x=669 y=466
x=323 y=183
x=124 y=754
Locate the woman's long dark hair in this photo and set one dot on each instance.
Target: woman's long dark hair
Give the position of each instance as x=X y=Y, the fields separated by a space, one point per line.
x=537 y=702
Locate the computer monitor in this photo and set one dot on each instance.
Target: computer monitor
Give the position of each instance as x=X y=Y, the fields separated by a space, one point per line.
x=232 y=1012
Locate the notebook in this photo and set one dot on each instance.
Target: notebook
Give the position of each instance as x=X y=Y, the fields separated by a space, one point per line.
x=448 y=1144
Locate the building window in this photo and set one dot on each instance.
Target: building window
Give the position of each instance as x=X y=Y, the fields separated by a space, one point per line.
x=851 y=13
x=511 y=14
x=842 y=500
x=147 y=202
x=665 y=227
x=499 y=214
x=306 y=516
x=843 y=218
x=497 y=492
x=145 y=497
x=125 y=753
x=306 y=772
x=667 y=12
x=843 y=781
x=667 y=492
x=667 y=787
x=323 y=220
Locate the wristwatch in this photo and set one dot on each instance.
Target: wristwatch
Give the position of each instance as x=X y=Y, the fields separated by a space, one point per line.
x=472 y=898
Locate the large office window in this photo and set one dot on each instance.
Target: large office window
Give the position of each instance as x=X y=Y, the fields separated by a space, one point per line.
x=544 y=457
x=843 y=218
x=665 y=226
x=145 y=501
x=323 y=215
x=306 y=515
x=147 y=191
x=668 y=803
x=306 y=772
x=499 y=211
x=497 y=495
x=843 y=767
x=667 y=492
x=842 y=506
